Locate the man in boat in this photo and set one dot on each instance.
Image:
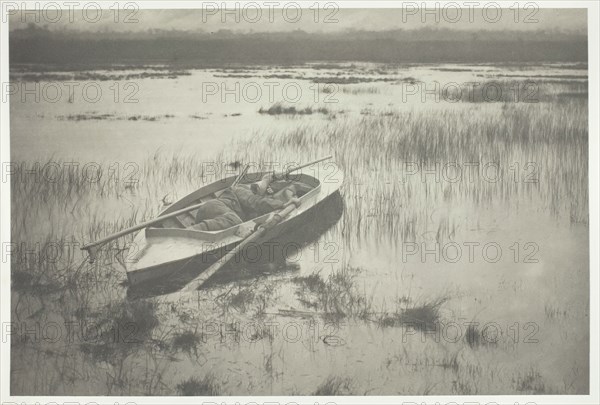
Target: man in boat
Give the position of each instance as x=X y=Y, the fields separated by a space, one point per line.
x=241 y=203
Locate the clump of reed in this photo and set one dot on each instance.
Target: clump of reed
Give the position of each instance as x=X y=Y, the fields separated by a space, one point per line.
x=134 y=321
x=197 y=387
x=95 y=116
x=282 y=109
x=186 y=341
x=530 y=382
x=423 y=316
x=337 y=296
x=360 y=90
x=249 y=299
x=334 y=386
x=349 y=79
x=476 y=337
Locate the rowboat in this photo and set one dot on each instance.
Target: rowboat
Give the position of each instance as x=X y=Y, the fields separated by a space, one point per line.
x=168 y=247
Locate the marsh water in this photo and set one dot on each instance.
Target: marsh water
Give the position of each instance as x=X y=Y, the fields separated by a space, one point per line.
x=457 y=260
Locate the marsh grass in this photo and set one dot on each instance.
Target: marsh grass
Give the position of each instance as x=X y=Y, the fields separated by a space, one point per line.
x=349 y=79
x=94 y=116
x=242 y=298
x=334 y=386
x=126 y=327
x=52 y=217
x=249 y=298
x=282 y=109
x=422 y=316
x=96 y=75
x=366 y=76
x=196 y=387
x=336 y=297
x=530 y=382
x=500 y=91
x=186 y=341
x=390 y=205
x=360 y=90
x=476 y=338
x=553 y=311
x=548 y=135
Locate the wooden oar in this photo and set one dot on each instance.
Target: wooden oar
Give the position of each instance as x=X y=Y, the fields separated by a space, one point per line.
x=258 y=233
x=283 y=174
x=93 y=247
x=240 y=176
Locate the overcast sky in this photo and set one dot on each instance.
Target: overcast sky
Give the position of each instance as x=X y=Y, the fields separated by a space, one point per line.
x=330 y=20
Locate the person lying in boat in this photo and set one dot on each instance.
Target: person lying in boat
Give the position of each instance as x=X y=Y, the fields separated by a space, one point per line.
x=241 y=203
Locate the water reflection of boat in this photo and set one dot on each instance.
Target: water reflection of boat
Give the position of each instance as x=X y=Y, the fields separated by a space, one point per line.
x=168 y=250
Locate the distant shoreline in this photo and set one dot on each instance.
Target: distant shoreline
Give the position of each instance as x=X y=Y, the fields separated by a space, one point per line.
x=37 y=45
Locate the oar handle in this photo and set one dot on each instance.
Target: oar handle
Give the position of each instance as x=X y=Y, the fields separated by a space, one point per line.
x=240 y=176
x=90 y=246
x=302 y=166
x=305 y=165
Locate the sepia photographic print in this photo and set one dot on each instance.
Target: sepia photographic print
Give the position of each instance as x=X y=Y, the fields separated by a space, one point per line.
x=299 y=202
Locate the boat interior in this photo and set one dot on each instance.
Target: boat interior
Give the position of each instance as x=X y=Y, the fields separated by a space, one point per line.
x=305 y=187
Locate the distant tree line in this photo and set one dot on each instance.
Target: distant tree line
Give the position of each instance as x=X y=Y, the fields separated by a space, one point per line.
x=38 y=45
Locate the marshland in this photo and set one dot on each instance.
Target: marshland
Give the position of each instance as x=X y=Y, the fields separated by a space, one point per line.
x=456 y=261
